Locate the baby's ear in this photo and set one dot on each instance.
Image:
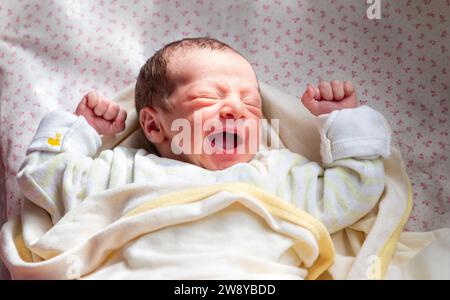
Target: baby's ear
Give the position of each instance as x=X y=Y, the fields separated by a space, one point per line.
x=151 y=125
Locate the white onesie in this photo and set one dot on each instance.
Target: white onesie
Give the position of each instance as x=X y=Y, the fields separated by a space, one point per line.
x=60 y=169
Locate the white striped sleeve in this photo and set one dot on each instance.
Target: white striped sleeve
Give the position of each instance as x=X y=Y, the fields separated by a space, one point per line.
x=350 y=180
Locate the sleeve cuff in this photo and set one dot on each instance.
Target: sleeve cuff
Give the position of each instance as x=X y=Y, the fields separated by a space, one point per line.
x=61 y=131
x=358 y=132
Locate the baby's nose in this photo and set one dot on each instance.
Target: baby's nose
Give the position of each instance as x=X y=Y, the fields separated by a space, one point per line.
x=232 y=108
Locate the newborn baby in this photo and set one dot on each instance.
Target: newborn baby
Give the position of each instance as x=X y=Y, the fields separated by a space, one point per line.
x=206 y=78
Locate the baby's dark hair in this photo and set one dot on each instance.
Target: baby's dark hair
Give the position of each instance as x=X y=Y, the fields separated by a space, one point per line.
x=154 y=84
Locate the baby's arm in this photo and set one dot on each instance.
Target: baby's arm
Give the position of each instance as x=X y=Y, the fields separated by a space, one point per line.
x=350 y=180
x=57 y=171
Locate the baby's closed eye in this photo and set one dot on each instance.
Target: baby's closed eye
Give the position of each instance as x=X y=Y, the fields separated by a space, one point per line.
x=252 y=100
x=205 y=95
x=209 y=95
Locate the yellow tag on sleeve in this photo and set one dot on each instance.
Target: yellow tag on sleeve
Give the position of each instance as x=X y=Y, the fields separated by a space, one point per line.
x=56 y=141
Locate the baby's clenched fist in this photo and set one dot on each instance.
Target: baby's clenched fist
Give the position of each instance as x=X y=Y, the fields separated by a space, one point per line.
x=105 y=116
x=329 y=96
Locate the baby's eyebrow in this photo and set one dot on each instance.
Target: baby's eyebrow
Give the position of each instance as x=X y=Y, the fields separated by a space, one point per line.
x=200 y=88
x=217 y=86
x=251 y=88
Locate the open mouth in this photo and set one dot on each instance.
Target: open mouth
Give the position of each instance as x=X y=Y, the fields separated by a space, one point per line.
x=225 y=141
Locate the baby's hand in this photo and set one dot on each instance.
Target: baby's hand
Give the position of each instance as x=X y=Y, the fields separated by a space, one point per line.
x=104 y=116
x=328 y=97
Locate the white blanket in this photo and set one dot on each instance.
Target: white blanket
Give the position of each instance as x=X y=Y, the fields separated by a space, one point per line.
x=230 y=231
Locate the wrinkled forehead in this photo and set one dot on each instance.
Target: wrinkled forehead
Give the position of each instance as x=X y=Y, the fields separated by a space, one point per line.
x=187 y=64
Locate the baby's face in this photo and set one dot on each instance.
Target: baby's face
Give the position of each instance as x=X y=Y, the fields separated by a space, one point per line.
x=218 y=88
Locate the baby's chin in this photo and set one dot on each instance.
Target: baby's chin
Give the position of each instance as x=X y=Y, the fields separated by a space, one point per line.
x=216 y=162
